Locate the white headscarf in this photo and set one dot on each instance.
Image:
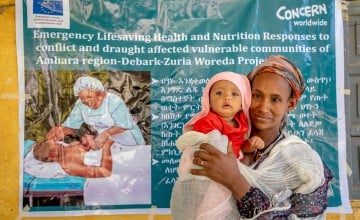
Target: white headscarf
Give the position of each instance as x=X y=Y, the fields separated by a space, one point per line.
x=87 y=82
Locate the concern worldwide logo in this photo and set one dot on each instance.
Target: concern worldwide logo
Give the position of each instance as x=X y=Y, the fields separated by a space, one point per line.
x=310 y=15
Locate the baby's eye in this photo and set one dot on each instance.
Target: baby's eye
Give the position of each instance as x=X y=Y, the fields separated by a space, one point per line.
x=235 y=94
x=218 y=93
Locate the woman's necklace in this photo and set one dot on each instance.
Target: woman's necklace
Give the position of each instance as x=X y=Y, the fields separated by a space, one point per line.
x=260 y=155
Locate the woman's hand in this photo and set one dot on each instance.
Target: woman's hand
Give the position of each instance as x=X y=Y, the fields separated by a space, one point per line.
x=222 y=168
x=100 y=140
x=58 y=133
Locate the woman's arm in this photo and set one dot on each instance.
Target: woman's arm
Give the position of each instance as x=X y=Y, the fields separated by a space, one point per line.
x=103 y=136
x=222 y=168
x=307 y=206
x=314 y=203
x=59 y=132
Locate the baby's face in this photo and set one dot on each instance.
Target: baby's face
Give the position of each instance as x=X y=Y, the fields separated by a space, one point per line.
x=225 y=99
x=88 y=140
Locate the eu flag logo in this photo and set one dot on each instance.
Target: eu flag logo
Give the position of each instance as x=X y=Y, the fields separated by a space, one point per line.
x=48 y=7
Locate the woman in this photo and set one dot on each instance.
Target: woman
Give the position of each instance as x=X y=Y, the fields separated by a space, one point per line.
x=287 y=179
x=105 y=111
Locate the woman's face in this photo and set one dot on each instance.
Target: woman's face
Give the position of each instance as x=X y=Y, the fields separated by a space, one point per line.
x=225 y=99
x=91 y=98
x=270 y=101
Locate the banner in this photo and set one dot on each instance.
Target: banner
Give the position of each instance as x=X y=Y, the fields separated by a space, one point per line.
x=153 y=59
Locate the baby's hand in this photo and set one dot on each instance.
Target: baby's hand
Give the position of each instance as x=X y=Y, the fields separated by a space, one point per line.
x=256 y=142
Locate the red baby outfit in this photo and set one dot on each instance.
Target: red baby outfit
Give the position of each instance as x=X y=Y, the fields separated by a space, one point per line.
x=213 y=121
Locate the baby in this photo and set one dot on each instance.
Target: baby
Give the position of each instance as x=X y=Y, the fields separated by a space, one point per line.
x=224 y=117
x=225 y=107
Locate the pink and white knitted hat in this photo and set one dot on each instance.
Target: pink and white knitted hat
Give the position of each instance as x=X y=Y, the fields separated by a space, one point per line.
x=239 y=80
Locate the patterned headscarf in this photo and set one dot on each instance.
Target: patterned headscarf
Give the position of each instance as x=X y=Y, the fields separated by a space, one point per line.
x=87 y=82
x=283 y=67
x=240 y=81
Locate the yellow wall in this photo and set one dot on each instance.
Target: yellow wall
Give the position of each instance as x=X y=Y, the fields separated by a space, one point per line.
x=9 y=152
x=9 y=130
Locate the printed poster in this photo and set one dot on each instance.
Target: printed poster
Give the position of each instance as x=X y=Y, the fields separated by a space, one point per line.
x=151 y=59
